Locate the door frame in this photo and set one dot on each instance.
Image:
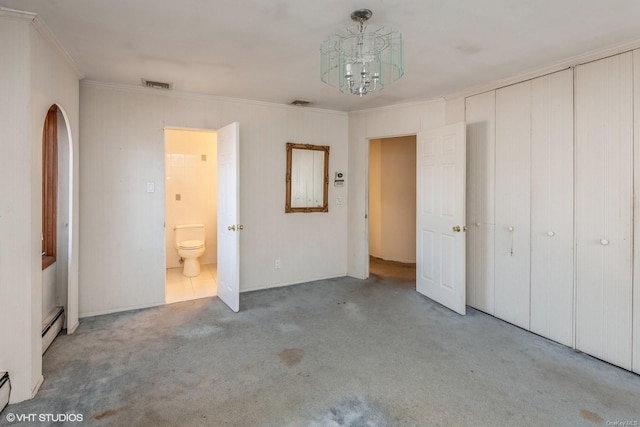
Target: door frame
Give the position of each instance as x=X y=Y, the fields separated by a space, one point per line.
x=164 y=192
x=366 y=194
x=72 y=300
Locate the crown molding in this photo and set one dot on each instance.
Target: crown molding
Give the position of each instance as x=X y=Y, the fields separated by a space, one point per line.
x=42 y=28
x=5 y=12
x=571 y=62
x=44 y=31
x=203 y=96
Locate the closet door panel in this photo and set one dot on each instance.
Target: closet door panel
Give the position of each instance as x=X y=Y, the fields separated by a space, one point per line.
x=604 y=191
x=552 y=206
x=636 y=279
x=513 y=203
x=480 y=119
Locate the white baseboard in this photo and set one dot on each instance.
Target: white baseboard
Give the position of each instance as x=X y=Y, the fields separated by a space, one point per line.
x=51 y=327
x=37 y=386
x=72 y=329
x=119 y=309
x=280 y=285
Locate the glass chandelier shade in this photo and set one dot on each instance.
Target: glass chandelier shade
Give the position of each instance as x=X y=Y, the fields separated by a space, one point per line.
x=362 y=59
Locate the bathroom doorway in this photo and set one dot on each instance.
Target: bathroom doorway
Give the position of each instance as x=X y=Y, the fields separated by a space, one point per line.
x=392 y=207
x=191 y=194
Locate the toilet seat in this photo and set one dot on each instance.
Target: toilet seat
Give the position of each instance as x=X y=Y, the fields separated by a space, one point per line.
x=191 y=244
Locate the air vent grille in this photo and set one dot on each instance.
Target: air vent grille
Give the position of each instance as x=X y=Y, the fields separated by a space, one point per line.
x=300 y=102
x=156 y=85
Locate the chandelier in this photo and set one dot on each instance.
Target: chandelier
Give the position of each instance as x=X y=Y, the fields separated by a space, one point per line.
x=361 y=59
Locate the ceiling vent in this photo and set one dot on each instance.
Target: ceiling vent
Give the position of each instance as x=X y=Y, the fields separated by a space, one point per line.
x=156 y=85
x=300 y=103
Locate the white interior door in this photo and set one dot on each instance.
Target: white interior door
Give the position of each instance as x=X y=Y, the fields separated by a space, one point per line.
x=228 y=217
x=440 y=244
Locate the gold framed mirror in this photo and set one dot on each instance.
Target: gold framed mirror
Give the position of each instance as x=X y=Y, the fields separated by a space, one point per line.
x=307 y=178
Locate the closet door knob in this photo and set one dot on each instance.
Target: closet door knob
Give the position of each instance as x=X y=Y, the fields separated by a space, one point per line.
x=510 y=228
x=551 y=234
x=478 y=224
x=604 y=242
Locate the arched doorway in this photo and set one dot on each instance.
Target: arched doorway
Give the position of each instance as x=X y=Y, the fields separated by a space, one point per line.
x=59 y=294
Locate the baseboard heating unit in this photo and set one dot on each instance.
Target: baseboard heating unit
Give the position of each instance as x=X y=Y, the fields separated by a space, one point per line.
x=51 y=327
x=5 y=390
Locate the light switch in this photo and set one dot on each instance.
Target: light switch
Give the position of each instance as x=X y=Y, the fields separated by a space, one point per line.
x=151 y=187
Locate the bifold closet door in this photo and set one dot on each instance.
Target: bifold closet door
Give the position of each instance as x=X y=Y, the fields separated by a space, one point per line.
x=552 y=206
x=636 y=280
x=513 y=204
x=604 y=208
x=480 y=119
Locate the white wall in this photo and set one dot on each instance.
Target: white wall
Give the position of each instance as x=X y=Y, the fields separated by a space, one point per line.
x=123 y=237
x=34 y=75
x=54 y=80
x=48 y=290
x=370 y=124
x=392 y=199
x=16 y=254
x=455 y=110
x=196 y=181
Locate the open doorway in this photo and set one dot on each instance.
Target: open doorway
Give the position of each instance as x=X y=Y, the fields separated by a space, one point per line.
x=392 y=207
x=191 y=194
x=57 y=185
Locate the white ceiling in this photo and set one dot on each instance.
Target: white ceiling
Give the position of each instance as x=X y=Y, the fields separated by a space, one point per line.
x=268 y=50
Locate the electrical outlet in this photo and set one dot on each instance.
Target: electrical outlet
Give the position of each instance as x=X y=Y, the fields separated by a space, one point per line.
x=276 y=263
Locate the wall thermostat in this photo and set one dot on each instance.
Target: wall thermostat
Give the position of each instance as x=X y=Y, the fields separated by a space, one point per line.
x=338 y=181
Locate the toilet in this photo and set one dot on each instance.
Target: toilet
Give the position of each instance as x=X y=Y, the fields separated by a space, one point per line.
x=190 y=246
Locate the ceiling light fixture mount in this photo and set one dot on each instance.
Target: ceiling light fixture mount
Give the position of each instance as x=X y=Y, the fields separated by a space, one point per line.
x=362 y=59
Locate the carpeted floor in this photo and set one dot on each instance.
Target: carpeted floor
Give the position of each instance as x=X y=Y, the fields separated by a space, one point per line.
x=340 y=352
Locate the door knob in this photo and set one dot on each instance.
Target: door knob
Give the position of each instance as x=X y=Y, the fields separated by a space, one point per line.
x=231 y=228
x=604 y=242
x=240 y=227
x=456 y=228
x=551 y=234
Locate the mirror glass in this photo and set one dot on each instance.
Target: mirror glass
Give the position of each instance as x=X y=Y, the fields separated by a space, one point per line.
x=307 y=178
